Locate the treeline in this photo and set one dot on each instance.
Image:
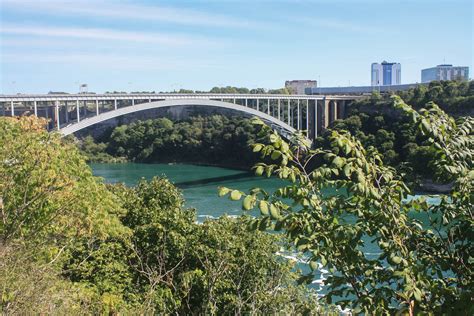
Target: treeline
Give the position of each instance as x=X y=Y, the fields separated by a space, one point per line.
x=226 y=89
x=374 y=122
x=454 y=97
x=215 y=139
x=69 y=244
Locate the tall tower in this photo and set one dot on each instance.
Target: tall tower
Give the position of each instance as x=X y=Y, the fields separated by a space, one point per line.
x=386 y=74
x=376 y=74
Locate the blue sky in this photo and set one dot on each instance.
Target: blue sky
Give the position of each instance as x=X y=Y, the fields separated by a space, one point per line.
x=166 y=45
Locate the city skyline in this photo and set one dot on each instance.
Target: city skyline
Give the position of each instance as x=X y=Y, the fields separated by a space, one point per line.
x=140 y=46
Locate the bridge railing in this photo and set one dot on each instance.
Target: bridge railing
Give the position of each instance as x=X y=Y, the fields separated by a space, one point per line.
x=302 y=112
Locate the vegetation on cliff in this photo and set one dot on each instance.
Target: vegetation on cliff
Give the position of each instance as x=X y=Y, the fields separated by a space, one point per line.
x=421 y=267
x=69 y=244
x=375 y=123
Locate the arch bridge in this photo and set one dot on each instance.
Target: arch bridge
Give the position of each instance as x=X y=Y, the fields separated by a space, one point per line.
x=70 y=113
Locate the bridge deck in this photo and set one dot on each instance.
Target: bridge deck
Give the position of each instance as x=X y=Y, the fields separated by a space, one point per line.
x=290 y=112
x=166 y=96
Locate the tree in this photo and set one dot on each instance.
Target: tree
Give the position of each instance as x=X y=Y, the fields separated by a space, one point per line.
x=70 y=244
x=49 y=200
x=419 y=268
x=218 y=267
x=42 y=185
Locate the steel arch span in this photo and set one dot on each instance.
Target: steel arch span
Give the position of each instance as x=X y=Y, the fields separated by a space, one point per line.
x=75 y=127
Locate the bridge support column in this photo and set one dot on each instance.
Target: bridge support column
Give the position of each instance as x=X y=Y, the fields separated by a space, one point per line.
x=268 y=106
x=325 y=113
x=279 y=106
x=258 y=106
x=315 y=123
x=12 y=108
x=341 y=111
x=78 y=112
x=35 y=104
x=298 y=117
x=289 y=112
x=115 y=104
x=307 y=118
x=246 y=103
x=67 y=111
x=56 y=114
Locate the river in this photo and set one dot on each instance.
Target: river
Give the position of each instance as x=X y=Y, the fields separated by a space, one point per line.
x=199 y=185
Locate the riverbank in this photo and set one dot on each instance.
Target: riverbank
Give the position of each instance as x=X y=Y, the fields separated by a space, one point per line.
x=428 y=186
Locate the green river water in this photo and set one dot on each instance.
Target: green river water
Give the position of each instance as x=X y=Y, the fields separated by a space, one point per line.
x=199 y=185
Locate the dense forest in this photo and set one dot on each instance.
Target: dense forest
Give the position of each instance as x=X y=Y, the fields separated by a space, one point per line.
x=215 y=139
x=69 y=244
x=374 y=122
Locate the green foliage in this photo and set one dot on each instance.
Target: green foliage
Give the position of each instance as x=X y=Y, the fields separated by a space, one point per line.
x=96 y=152
x=215 y=139
x=43 y=184
x=420 y=268
x=71 y=245
x=376 y=123
x=49 y=200
x=179 y=266
x=455 y=97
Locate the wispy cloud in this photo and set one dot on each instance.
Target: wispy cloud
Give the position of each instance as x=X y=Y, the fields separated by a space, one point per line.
x=105 y=34
x=114 y=9
x=109 y=61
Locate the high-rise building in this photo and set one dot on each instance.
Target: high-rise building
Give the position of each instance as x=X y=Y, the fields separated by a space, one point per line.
x=445 y=72
x=386 y=74
x=299 y=86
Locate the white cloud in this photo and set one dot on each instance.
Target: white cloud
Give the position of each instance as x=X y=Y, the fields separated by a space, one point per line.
x=104 y=34
x=114 y=9
x=106 y=61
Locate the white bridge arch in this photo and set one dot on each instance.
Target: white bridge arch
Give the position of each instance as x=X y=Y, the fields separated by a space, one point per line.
x=75 y=127
x=70 y=113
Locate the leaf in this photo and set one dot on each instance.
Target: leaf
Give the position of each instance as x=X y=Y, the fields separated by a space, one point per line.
x=396 y=259
x=275 y=155
x=338 y=162
x=248 y=201
x=223 y=191
x=274 y=212
x=257 y=147
x=235 y=195
x=347 y=170
x=263 y=206
x=313 y=265
x=324 y=262
x=284 y=147
x=347 y=149
x=417 y=294
x=259 y=170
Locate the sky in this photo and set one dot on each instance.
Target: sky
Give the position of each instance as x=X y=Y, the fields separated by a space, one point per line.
x=146 y=45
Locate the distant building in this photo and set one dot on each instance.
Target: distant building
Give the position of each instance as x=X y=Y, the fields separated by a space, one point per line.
x=386 y=74
x=360 y=90
x=299 y=86
x=444 y=72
